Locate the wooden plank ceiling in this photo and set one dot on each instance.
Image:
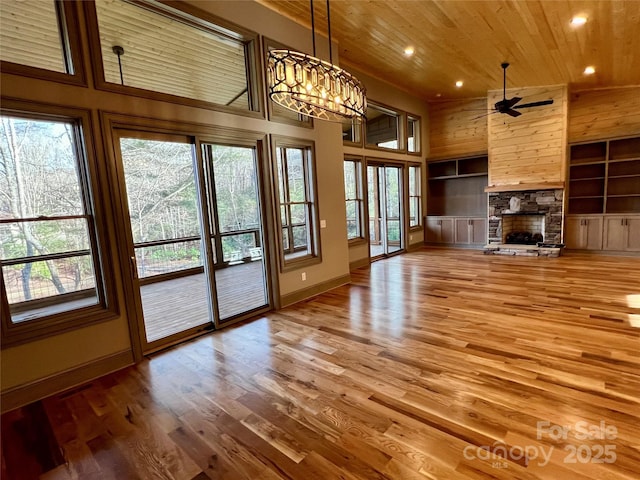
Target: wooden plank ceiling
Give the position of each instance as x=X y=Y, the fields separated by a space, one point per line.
x=468 y=39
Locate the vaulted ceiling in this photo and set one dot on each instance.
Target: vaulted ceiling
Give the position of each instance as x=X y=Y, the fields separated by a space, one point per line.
x=468 y=40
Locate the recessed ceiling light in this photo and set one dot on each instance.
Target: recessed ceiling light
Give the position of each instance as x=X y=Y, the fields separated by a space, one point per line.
x=589 y=70
x=409 y=51
x=438 y=95
x=459 y=83
x=578 y=20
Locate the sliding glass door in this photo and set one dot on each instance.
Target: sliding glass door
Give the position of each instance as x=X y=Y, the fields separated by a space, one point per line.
x=236 y=236
x=384 y=188
x=166 y=249
x=195 y=235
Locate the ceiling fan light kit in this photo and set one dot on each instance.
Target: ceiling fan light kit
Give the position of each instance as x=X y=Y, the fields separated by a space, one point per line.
x=313 y=87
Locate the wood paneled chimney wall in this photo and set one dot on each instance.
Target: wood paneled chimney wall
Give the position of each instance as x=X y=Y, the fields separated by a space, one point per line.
x=528 y=152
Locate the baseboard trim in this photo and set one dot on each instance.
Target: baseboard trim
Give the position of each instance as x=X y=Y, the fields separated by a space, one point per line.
x=414 y=247
x=604 y=253
x=363 y=262
x=299 y=295
x=21 y=395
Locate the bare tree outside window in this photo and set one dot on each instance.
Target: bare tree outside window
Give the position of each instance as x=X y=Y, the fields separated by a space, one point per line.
x=45 y=225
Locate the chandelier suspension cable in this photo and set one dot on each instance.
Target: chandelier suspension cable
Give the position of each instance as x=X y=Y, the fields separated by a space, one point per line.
x=329 y=32
x=313 y=31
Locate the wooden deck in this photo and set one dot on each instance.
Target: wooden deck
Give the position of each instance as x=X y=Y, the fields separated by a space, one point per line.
x=179 y=304
x=436 y=364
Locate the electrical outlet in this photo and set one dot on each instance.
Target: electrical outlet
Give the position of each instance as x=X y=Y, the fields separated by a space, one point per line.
x=304 y=276
x=410 y=237
x=323 y=224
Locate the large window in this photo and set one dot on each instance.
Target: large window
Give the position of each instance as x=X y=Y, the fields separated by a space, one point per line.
x=353 y=198
x=384 y=128
x=48 y=240
x=415 y=196
x=296 y=194
x=210 y=63
x=36 y=40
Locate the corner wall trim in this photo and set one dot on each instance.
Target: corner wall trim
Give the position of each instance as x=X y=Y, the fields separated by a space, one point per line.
x=299 y=295
x=21 y=395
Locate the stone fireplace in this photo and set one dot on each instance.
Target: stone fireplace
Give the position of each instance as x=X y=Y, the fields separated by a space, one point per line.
x=534 y=211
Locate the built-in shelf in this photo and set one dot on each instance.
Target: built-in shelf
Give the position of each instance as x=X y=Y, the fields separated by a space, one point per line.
x=458 y=167
x=604 y=177
x=456 y=187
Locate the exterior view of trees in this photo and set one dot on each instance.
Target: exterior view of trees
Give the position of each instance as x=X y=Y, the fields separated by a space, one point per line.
x=164 y=206
x=44 y=227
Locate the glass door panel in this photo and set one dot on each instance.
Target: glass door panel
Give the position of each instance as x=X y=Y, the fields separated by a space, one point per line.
x=393 y=214
x=384 y=188
x=166 y=231
x=237 y=234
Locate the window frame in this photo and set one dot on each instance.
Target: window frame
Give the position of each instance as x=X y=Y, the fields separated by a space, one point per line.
x=71 y=45
x=195 y=18
x=419 y=186
x=91 y=175
x=357 y=126
x=417 y=133
x=401 y=127
x=313 y=255
x=358 y=165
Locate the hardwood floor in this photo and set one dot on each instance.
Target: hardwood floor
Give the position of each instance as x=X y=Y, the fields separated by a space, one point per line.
x=438 y=364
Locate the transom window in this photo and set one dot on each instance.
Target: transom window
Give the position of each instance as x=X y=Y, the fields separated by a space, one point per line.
x=296 y=193
x=384 y=128
x=353 y=198
x=47 y=234
x=210 y=63
x=352 y=132
x=33 y=33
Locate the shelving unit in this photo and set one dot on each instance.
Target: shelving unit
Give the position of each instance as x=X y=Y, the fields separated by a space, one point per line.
x=459 y=167
x=604 y=196
x=604 y=177
x=456 y=201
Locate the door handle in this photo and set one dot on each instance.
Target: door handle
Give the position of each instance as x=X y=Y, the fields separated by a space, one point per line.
x=622 y=222
x=134 y=266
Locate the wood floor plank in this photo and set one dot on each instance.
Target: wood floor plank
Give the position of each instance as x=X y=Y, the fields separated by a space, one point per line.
x=437 y=364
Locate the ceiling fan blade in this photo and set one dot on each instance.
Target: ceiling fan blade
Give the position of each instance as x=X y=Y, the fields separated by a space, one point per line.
x=485 y=115
x=512 y=101
x=535 y=104
x=513 y=113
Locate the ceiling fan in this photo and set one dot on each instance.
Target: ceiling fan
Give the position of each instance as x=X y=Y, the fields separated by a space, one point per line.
x=509 y=105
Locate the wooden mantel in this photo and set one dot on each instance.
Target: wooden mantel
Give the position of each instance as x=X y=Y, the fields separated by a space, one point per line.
x=521 y=187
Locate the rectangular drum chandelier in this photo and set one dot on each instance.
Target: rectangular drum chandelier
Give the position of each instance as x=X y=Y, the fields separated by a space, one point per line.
x=313 y=87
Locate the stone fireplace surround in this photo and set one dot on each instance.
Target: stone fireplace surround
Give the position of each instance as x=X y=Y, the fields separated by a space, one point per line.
x=542 y=202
